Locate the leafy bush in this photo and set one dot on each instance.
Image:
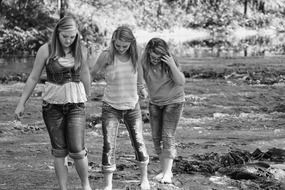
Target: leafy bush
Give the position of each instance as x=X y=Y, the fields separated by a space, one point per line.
x=26 y=14
x=27 y=24
x=19 y=42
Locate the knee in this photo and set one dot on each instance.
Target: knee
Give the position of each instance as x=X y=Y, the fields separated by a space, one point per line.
x=143 y=163
x=78 y=155
x=108 y=168
x=59 y=153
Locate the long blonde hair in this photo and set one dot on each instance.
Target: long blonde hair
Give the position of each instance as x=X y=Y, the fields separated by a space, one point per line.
x=66 y=23
x=125 y=34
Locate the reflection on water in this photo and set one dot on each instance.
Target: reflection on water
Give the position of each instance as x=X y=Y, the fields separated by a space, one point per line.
x=223 y=46
x=15 y=64
x=217 y=46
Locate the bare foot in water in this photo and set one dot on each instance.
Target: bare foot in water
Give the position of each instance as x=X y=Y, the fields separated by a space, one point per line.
x=145 y=185
x=167 y=178
x=158 y=177
x=107 y=188
x=87 y=187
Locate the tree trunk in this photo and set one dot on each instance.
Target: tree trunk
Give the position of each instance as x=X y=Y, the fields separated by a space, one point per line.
x=1 y=7
x=158 y=12
x=262 y=7
x=62 y=5
x=245 y=7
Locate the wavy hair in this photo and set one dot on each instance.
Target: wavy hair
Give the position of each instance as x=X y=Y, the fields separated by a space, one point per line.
x=159 y=47
x=64 y=24
x=125 y=34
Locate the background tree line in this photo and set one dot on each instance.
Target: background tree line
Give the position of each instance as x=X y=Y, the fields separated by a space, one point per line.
x=26 y=24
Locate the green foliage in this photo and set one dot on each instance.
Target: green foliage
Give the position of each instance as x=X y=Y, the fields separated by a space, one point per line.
x=208 y=16
x=27 y=23
x=90 y=32
x=17 y=41
x=26 y=14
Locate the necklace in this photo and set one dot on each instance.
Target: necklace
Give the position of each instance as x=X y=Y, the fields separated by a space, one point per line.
x=156 y=68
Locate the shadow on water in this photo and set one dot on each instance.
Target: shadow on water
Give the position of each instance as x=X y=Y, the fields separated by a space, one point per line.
x=214 y=46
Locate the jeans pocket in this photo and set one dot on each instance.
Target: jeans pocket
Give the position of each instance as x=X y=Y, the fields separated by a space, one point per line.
x=46 y=106
x=107 y=107
x=80 y=106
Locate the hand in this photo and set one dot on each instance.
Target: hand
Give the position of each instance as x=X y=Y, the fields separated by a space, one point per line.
x=93 y=51
x=88 y=97
x=143 y=93
x=19 y=112
x=168 y=59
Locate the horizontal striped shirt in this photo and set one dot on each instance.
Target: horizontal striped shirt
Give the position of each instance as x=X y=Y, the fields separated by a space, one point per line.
x=121 y=90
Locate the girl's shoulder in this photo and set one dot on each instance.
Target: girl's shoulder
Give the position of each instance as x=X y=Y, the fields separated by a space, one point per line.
x=44 y=50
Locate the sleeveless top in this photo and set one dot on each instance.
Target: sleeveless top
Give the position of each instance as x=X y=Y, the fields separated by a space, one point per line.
x=63 y=82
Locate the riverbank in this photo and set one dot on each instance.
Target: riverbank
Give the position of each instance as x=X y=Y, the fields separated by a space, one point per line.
x=231 y=135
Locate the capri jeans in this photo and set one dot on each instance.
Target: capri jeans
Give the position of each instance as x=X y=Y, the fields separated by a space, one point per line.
x=164 y=121
x=66 y=127
x=111 y=118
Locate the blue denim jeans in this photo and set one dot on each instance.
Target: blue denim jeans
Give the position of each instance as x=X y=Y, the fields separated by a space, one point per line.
x=111 y=118
x=164 y=121
x=66 y=127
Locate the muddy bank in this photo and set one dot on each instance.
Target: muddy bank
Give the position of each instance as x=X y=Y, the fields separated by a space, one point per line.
x=231 y=135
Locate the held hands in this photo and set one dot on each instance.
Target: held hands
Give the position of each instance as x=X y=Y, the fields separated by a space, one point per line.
x=143 y=93
x=19 y=112
x=93 y=52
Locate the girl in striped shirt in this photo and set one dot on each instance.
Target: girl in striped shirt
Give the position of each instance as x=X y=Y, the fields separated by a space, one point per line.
x=119 y=63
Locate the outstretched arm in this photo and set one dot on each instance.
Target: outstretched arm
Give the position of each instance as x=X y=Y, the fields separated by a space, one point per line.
x=33 y=79
x=85 y=75
x=100 y=63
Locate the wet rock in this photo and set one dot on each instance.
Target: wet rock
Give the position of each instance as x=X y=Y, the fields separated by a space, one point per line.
x=189 y=167
x=8 y=77
x=239 y=175
x=279 y=108
x=273 y=155
x=238 y=165
x=235 y=157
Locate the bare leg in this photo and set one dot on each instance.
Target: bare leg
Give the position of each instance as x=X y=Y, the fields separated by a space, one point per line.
x=81 y=166
x=167 y=170
x=159 y=176
x=108 y=177
x=144 y=179
x=61 y=171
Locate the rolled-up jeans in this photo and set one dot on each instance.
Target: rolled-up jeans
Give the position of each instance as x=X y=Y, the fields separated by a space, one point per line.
x=164 y=121
x=111 y=118
x=66 y=127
